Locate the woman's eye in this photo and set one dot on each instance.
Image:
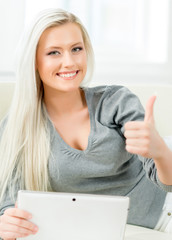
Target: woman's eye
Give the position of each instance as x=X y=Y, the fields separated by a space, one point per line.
x=54 y=53
x=77 y=49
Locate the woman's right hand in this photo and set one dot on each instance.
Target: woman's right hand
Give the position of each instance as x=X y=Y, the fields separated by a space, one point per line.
x=14 y=223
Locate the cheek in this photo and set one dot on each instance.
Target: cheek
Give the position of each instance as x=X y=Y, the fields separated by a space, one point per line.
x=44 y=66
x=82 y=61
x=39 y=64
x=43 y=70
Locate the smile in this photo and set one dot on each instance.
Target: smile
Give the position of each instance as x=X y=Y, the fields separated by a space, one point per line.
x=68 y=74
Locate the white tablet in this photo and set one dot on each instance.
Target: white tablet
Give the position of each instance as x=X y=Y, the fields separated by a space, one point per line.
x=71 y=216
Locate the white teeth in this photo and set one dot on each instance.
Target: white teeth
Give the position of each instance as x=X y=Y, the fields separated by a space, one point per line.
x=67 y=75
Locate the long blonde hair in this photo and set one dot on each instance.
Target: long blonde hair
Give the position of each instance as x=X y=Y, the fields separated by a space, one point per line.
x=25 y=138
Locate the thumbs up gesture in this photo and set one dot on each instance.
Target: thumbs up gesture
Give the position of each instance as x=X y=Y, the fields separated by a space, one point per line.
x=142 y=137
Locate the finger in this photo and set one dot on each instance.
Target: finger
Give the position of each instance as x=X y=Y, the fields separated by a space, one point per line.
x=149 y=116
x=136 y=134
x=137 y=142
x=21 y=223
x=134 y=125
x=137 y=150
x=16 y=212
x=16 y=229
x=12 y=236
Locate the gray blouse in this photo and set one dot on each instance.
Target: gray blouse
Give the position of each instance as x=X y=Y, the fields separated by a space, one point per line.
x=105 y=167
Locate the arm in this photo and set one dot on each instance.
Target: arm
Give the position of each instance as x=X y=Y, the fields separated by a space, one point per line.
x=143 y=139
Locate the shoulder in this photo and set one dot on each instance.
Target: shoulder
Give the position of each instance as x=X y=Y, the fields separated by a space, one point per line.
x=109 y=92
x=105 y=90
x=114 y=104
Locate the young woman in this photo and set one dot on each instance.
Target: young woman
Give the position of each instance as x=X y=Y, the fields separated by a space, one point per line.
x=61 y=135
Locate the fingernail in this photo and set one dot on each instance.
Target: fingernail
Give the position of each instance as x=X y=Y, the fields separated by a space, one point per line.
x=35 y=229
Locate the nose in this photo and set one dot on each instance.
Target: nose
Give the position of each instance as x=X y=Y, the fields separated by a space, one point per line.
x=67 y=60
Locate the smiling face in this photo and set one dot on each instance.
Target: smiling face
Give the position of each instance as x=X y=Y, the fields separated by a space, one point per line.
x=61 y=58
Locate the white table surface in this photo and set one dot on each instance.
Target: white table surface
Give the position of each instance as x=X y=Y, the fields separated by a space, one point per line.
x=140 y=233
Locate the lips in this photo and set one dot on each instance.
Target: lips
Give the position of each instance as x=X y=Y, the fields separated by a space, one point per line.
x=68 y=75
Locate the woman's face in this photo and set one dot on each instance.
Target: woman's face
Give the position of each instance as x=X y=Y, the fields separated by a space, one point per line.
x=61 y=58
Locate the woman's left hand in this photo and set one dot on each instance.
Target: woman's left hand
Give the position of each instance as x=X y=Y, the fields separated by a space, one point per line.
x=142 y=137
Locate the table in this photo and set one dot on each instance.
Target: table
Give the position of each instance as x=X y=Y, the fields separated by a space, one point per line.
x=140 y=233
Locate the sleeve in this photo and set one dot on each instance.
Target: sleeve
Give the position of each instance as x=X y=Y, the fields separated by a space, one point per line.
x=151 y=173
x=118 y=106
x=8 y=201
x=151 y=170
x=10 y=198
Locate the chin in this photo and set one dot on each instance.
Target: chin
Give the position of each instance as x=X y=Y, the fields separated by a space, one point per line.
x=69 y=88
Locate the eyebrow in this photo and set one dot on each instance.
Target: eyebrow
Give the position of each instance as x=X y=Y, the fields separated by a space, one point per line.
x=57 y=47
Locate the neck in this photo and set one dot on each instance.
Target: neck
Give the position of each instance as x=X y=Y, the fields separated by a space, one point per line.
x=64 y=103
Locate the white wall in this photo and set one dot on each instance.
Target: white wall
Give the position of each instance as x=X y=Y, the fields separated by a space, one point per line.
x=11 y=26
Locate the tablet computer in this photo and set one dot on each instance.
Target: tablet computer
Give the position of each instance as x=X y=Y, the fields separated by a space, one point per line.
x=64 y=216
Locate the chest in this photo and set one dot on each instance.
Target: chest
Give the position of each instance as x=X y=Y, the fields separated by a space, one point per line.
x=74 y=129
x=105 y=163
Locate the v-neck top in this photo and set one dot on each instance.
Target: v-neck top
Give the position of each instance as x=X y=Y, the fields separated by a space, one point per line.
x=105 y=167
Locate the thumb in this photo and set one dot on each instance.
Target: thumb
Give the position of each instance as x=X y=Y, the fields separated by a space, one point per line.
x=149 y=116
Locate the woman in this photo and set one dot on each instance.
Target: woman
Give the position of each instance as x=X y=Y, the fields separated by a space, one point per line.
x=61 y=135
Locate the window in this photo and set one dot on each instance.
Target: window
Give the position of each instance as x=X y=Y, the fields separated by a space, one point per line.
x=131 y=38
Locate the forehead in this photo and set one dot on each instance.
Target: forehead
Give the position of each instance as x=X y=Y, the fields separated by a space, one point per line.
x=61 y=35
